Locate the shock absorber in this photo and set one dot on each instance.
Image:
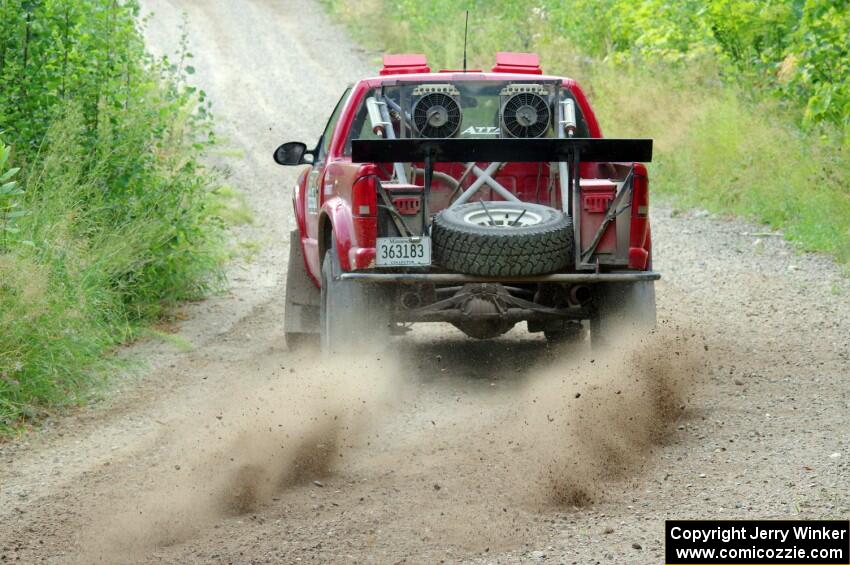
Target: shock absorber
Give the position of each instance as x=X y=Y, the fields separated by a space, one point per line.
x=566 y=127
x=382 y=125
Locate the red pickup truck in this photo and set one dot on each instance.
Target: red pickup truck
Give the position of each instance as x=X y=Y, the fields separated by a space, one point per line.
x=481 y=199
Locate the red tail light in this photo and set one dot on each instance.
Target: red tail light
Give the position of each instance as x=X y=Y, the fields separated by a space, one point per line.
x=364 y=193
x=364 y=206
x=638 y=237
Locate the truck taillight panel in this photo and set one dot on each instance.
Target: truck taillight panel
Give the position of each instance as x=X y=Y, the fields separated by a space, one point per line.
x=638 y=240
x=364 y=206
x=364 y=193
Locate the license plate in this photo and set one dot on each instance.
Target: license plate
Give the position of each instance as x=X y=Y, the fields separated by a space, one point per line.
x=403 y=252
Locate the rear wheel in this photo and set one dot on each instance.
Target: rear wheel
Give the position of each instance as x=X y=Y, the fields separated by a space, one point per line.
x=353 y=316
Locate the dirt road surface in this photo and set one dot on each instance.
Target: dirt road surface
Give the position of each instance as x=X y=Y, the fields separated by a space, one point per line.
x=448 y=450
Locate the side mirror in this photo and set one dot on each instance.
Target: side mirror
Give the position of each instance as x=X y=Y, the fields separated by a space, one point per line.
x=292 y=153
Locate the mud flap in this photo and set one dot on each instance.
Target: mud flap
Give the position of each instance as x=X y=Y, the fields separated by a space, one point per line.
x=622 y=308
x=301 y=315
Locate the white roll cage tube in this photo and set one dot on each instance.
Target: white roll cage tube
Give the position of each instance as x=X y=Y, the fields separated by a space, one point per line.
x=566 y=126
x=485 y=177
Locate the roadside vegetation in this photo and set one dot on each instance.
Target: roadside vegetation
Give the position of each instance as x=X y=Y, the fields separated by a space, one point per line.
x=107 y=216
x=749 y=102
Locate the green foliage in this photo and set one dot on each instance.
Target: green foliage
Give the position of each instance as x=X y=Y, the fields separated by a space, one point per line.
x=797 y=49
x=717 y=150
x=821 y=62
x=741 y=96
x=121 y=217
x=9 y=206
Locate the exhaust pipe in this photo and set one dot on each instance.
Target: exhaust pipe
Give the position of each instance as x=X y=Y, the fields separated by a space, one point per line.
x=580 y=294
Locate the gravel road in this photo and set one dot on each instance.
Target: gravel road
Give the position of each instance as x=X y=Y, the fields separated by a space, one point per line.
x=448 y=450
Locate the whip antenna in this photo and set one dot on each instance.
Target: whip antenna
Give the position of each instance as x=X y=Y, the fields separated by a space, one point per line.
x=465 y=35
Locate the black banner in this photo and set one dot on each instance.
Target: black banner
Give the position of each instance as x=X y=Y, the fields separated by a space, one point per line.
x=503 y=150
x=757 y=542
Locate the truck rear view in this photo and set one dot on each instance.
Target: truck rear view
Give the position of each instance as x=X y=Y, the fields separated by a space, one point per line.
x=478 y=199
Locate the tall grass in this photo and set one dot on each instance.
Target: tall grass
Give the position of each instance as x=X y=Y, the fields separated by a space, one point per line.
x=722 y=142
x=718 y=149
x=115 y=216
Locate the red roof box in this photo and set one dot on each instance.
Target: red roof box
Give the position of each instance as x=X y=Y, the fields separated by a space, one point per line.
x=523 y=63
x=405 y=64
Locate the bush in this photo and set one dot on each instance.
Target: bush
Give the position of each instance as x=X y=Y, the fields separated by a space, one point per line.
x=112 y=220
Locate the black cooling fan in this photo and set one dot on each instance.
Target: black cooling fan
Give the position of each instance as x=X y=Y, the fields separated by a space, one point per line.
x=526 y=115
x=436 y=115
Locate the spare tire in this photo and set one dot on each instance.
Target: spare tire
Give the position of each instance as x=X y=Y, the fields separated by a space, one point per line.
x=503 y=239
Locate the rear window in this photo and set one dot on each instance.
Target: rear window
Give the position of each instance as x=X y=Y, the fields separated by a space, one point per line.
x=530 y=108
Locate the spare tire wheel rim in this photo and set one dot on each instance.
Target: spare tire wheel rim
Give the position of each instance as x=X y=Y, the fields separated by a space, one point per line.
x=499 y=216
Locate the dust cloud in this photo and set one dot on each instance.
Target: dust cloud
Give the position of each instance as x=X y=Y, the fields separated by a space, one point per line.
x=558 y=433
x=598 y=417
x=265 y=438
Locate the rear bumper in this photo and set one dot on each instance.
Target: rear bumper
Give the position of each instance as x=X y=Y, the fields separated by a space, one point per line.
x=457 y=278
